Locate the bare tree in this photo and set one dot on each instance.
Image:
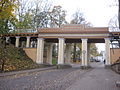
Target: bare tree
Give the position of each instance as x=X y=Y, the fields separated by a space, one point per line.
x=40 y=13
x=57 y=16
x=113 y=24
x=117 y=3
x=78 y=18
x=23 y=7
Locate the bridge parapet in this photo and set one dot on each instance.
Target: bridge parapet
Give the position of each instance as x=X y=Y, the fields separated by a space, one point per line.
x=74 y=29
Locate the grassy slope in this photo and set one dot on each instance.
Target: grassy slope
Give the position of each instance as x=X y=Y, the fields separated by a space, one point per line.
x=17 y=60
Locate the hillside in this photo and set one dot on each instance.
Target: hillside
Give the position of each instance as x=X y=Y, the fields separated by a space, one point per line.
x=15 y=59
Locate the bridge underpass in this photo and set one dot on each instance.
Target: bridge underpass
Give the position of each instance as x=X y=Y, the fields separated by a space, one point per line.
x=79 y=41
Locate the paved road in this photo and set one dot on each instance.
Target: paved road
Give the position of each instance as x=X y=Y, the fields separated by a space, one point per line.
x=97 y=78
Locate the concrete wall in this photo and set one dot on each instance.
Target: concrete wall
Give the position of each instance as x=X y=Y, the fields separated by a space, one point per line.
x=115 y=54
x=31 y=53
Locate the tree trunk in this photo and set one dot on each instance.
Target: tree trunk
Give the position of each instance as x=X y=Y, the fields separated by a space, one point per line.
x=3 y=64
x=3 y=55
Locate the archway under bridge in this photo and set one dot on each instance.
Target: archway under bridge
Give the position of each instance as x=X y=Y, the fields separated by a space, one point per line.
x=69 y=42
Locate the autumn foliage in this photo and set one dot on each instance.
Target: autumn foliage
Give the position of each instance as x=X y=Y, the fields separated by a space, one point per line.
x=7 y=16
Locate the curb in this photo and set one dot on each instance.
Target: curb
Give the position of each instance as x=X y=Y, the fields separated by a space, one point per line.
x=25 y=71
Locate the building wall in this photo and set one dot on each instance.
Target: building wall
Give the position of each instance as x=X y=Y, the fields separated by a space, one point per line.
x=31 y=53
x=115 y=54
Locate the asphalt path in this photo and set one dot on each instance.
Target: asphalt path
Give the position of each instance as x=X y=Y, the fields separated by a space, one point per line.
x=96 y=78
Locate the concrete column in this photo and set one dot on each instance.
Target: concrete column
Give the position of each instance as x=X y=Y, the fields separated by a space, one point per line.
x=17 y=42
x=88 y=56
x=107 y=52
x=61 y=51
x=7 y=39
x=84 y=53
x=68 y=54
x=49 y=53
x=28 y=42
x=22 y=44
x=40 y=50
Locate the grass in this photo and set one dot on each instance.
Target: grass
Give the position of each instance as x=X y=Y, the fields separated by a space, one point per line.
x=54 y=61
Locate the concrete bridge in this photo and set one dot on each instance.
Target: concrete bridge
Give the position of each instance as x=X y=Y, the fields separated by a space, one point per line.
x=64 y=36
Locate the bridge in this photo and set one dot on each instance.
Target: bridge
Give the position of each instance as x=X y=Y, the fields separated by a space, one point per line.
x=64 y=36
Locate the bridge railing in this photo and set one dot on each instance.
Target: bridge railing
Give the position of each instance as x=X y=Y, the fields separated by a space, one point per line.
x=24 y=31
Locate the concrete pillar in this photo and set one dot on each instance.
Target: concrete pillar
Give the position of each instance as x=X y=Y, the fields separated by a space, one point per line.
x=107 y=52
x=68 y=53
x=7 y=39
x=61 y=51
x=17 y=42
x=49 y=53
x=88 y=56
x=40 y=50
x=28 y=42
x=84 y=53
x=22 y=44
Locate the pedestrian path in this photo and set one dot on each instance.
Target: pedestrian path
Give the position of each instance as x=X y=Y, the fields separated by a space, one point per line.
x=97 y=79
x=23 y=72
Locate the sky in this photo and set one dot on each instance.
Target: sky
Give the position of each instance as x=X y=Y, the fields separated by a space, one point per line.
x=98 y=12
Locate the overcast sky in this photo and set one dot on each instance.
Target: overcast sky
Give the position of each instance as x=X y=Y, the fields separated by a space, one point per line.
x=98 y=12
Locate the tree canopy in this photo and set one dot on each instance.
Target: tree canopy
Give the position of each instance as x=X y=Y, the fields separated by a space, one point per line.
x=7 y=16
